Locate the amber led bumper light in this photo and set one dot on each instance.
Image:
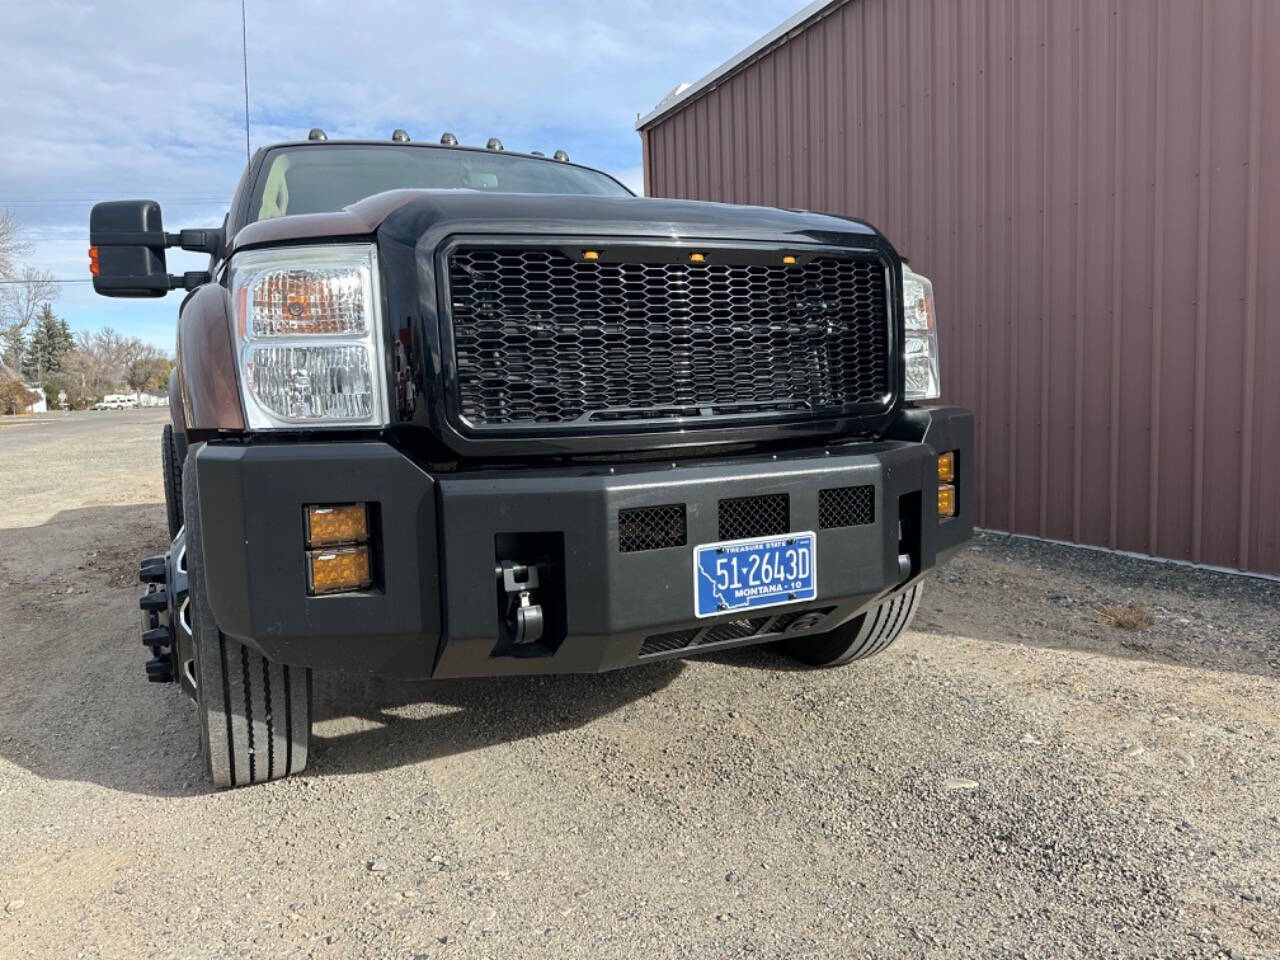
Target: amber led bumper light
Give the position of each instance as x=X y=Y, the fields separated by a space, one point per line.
x=331 y=524
x=338 y=569
x=946 y=501
x=947 y=467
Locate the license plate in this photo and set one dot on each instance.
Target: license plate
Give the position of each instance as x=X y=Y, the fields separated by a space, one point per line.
x=755 y=573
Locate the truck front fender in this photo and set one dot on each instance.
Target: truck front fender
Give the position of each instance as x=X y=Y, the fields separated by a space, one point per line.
x=207 y=379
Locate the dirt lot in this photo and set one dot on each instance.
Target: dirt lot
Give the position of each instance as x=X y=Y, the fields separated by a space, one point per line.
x=1014 y=779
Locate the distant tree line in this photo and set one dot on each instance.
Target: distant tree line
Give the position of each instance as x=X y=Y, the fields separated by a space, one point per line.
x=37 y=346
x=86 y=366
x=23 y=288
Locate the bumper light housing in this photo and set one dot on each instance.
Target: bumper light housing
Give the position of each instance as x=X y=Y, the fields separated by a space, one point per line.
x=339 y=570
x=946 y=501
x=947 y=467
x=331 y=524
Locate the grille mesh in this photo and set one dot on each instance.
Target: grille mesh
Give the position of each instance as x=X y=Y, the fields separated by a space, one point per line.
x=540 y=338
x=651 y=528
x=763 y=516
x=846 y=507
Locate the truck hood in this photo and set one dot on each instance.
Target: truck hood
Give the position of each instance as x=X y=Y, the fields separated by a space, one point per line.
x=411 y=214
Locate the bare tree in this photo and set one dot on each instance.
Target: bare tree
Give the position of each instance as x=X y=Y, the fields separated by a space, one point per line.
x=23 y=290
x=20 y=301
x=12 y=247
x=93 y=362
x=105 y=360
x=144 y=364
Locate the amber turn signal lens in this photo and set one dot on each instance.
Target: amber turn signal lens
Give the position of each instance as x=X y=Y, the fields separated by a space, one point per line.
x=697 y=258
x=329 y=524
x=339 y=569
x=93 y=261
x=947 y=467
x=590 y=254
x=946 y=500
x=788 y=259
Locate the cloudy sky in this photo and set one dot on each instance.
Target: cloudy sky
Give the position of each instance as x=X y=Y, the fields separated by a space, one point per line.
x=117 y=99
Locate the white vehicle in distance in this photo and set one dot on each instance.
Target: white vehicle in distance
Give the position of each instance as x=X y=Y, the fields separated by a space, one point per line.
x=117 y=401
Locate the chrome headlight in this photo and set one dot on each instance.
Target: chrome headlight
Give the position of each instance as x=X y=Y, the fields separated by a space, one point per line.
x=308 y=330
x=924 y=379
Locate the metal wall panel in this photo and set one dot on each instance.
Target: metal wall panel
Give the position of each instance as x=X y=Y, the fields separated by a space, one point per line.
x=1094 y=187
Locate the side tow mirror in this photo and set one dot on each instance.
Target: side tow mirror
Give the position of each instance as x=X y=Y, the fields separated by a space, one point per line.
x=127 y=245
x=126 y=250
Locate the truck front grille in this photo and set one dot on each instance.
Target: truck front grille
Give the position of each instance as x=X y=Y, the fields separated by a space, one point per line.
x=651 y=528
x=759 y=516
x=540 y=338
x=846 y=507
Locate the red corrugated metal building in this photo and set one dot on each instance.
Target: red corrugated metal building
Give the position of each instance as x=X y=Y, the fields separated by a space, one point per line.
x=1094 y=188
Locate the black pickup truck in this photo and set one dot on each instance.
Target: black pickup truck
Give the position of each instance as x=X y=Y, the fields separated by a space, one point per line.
x=443 y=411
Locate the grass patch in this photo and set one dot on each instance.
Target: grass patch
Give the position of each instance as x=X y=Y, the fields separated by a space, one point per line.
x=1134 y=617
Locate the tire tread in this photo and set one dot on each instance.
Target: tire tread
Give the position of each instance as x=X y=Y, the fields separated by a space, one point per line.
x=173 y=468
x=255 y=714
x=865 y=636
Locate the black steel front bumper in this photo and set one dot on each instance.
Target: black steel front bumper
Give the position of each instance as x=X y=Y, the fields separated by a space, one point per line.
x=437 y=606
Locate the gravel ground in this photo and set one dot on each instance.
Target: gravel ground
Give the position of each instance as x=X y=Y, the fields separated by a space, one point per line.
x=1014 y=779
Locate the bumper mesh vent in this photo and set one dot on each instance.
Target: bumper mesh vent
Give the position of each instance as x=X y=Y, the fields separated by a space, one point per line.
x=763 y=516
x=651 y=528
x=666 y=642
x=542 y=339
x=846 y=507
x=733 y=630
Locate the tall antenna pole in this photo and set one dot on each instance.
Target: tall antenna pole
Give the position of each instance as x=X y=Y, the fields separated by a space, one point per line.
x=244 y=59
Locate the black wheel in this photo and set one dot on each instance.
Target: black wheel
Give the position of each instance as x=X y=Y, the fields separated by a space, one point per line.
x=863 y=636
x=255 y=714
x=172 y=463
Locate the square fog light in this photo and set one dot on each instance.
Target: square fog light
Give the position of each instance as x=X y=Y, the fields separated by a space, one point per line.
x=946 y=501
x=339 y=569
x=329 y=524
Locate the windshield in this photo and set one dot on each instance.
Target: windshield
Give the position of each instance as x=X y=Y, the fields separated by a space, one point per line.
x=321 y=179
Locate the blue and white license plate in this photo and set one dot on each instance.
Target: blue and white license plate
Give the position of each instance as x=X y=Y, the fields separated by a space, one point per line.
x=749 y=574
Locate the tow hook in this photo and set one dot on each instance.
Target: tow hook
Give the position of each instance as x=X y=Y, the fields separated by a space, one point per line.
x=523 y=616
x=165 y=610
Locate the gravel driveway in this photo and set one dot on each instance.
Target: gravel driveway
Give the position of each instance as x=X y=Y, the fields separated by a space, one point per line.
x=1014 y=779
